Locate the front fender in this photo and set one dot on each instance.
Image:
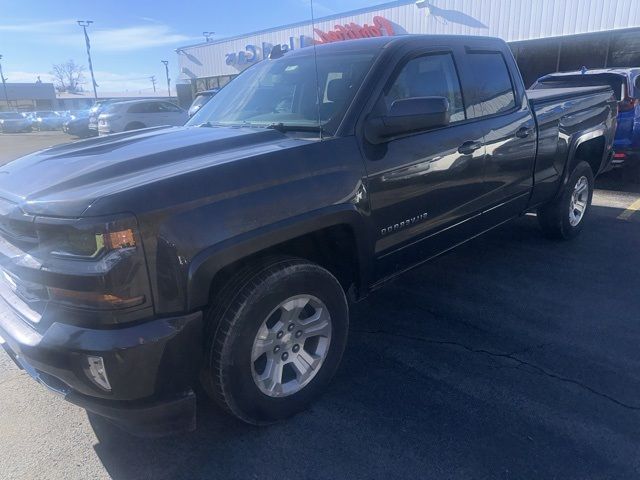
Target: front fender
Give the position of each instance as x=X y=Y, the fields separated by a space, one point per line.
x=207 y=263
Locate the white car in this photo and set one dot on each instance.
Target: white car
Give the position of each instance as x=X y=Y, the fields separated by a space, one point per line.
x=136 y=114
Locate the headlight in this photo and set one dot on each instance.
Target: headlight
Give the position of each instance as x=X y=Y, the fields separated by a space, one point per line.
x=84 y=239
x=89 y=245
x=93 y=263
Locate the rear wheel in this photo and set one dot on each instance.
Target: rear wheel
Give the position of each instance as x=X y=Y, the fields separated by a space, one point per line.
x=278 y=331
x=564 y=217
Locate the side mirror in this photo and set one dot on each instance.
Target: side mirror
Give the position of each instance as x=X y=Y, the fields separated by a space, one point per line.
x=408 y=115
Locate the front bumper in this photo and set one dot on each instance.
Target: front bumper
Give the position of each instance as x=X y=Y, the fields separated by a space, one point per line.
x=151 y=366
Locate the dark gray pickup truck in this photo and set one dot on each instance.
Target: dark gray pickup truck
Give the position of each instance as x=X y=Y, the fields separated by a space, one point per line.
x=138 y=266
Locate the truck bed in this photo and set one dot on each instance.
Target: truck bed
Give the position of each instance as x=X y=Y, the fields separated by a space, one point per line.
x=544 y=95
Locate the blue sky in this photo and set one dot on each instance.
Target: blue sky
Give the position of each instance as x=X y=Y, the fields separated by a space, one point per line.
x=129 y=38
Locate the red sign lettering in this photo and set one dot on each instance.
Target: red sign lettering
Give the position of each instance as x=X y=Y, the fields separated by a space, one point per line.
x=381 y=27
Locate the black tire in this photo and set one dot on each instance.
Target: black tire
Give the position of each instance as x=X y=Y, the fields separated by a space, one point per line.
x=234 y=319
x=134 y=126
x=554 y=217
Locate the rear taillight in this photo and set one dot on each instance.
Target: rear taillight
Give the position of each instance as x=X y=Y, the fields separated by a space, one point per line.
x=628 y=104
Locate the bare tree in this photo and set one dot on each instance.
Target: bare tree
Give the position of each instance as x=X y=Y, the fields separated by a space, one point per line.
x=68 y=76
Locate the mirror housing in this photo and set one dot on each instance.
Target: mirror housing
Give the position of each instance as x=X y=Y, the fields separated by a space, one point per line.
x=408 y=115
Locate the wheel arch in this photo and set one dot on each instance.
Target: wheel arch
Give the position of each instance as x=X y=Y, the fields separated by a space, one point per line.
x=590 y=146
x=334 y=237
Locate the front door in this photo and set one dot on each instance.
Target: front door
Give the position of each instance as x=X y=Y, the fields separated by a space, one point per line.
x=422 y=185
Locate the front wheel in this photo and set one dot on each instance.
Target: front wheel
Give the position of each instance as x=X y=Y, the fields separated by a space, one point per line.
x=278 y=331
x=564 y=217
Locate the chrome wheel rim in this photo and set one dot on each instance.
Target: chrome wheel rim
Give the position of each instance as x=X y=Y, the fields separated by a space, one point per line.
x=579 y=201
x=291 y=346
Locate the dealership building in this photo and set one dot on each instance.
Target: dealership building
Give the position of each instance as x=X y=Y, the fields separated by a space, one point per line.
x=545 y=35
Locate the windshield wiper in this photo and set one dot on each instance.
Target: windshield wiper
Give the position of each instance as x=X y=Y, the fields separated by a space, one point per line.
x=209 y=125
x=284 y=127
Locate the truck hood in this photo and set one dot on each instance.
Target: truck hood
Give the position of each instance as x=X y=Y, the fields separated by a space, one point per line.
x=65 y=180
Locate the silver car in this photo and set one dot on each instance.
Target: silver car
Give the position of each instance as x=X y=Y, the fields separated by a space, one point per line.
x=136 y=114
x=14 y=122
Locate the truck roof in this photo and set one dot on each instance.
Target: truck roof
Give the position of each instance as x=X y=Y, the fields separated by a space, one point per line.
x=378 y=43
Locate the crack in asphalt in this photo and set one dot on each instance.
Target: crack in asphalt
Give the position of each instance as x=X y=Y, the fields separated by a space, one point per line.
x=509 y=355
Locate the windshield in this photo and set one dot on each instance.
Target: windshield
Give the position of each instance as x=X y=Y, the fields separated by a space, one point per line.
x=283 y=92
x=615 y=81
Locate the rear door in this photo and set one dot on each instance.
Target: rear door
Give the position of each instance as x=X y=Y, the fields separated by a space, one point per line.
x=174 y=115
x=427 y=182
x=495 y=93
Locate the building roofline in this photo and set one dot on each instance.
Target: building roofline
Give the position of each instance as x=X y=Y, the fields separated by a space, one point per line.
x=327 y=18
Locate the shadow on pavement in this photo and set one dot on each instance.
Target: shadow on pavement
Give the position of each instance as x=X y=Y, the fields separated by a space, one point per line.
x=618 y=180
x=510 y=357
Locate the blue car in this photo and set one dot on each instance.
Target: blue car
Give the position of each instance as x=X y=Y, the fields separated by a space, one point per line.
x=626 y=85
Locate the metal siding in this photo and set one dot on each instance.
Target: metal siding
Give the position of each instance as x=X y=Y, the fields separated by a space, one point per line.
x=511 y=20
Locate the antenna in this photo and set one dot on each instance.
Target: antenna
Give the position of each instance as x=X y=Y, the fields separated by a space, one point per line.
x=315 y=59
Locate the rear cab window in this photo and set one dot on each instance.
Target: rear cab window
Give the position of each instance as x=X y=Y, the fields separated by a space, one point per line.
x=491 y=91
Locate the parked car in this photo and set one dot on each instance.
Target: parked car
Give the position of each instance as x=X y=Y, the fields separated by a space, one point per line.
x=625 y=83
x=248 y=231
x=95 y=111
x=137 y=114
x=78 y=124
x=47 y=120
x=14 y=122
x=201 y=99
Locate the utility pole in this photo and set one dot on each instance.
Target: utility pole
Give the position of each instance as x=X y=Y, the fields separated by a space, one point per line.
x=153 y=81
x=4 y=85
x=208 y=35
x=84 y=24
x=166 y=69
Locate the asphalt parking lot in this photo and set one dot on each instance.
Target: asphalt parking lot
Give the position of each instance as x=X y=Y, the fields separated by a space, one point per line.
x=512 y=357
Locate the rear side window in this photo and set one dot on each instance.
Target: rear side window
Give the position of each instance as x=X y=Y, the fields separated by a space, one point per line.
x=492 y=88
x=429 y=76
x=139 y=108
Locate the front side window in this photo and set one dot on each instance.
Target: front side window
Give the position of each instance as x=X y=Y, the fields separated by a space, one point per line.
x=168 y=107
x=429 y=76
x=492 y=90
